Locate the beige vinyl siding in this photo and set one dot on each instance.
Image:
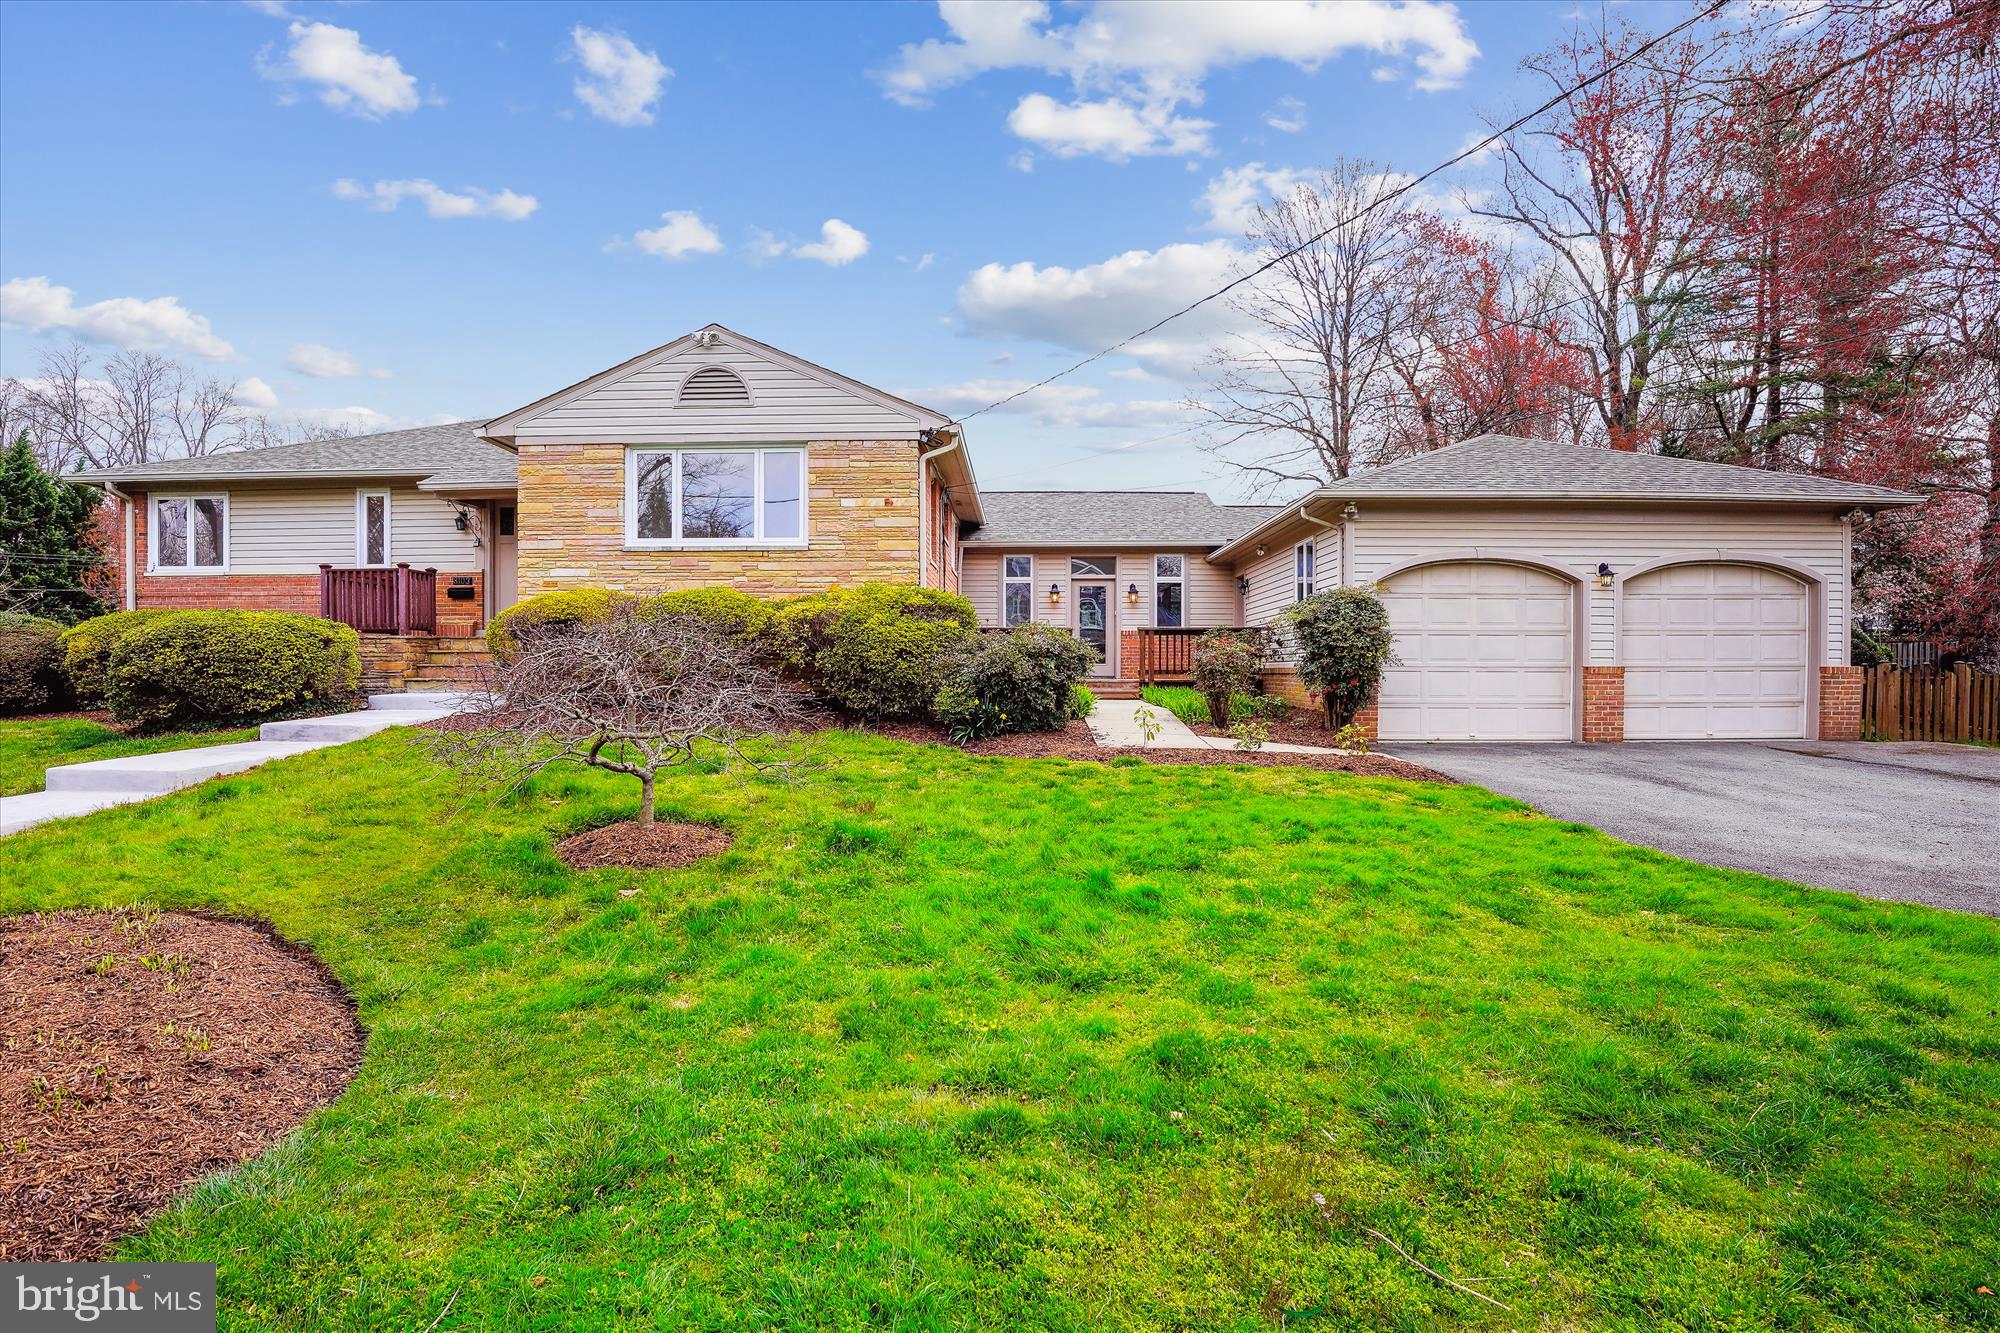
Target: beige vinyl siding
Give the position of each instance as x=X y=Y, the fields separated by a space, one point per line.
x=1577 y=539
x=1273 y=578
x=294 y=530
x=643 y=408
x=1210 y=597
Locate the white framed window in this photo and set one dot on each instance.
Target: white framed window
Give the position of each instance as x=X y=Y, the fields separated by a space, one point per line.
x=1304 y=559
x=188 y=534
x=715 y=497
x=1017 y=589
x=1169 y=591
x=371 y=528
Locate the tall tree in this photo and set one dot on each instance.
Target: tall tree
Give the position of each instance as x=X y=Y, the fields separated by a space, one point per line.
x=49 y=552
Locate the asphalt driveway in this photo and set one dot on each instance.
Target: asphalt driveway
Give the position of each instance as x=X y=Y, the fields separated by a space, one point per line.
x=1913 y=822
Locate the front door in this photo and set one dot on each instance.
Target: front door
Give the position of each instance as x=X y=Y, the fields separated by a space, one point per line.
x=501 y=591
x=1093 y=625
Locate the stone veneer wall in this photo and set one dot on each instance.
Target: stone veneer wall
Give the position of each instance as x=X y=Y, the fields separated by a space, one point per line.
x=861 y=524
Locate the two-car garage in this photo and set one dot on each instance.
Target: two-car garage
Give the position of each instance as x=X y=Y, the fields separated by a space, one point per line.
x=1487 y=650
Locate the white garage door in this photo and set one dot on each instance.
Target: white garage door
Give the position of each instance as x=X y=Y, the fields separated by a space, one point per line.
x=1714 y=652
x=1484 y=654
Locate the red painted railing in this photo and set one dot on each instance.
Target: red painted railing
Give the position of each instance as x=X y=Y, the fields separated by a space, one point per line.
x=380 y=601
x=1167 y=655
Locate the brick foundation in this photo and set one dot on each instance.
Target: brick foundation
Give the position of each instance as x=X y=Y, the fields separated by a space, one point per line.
x=1128 y=654
x=1840 y=702
x=1284 y=682
x=1603 y=703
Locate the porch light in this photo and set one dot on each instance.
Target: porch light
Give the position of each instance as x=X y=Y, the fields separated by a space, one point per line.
x=1055 y=592
x=1132 y=593
x=1242 y=583
x=1603 y=575
x=461 y=520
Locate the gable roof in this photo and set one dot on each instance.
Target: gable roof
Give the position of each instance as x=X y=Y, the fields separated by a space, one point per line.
x=1112 y=518
x=1512 y=467
x=503 y=428
x=447 y=457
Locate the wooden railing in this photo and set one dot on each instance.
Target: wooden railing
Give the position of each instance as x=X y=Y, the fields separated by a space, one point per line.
x=380 y=601
x=1928 y=704
x=1167 y=655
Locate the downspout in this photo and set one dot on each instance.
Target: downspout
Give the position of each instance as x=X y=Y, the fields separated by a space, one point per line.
x=1340 y=528
x=130 y=579
x=924 y=501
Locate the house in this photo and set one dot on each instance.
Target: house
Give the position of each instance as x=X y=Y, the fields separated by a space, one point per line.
x=1539 y=591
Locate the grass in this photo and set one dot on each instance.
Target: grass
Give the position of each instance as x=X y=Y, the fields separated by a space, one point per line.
x=1186 y=703
x=946 y=1042
x=28 y=748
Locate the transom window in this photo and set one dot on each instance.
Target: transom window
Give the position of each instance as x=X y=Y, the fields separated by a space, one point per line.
x=1169 y=590
x=371 y=527
x=1093 y=566
x=190 y=532
x=676 y=497
x=1017 y=589
x=1304 y=557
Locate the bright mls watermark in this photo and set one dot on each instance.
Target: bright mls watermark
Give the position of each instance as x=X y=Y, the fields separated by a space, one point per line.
x=155 y=1298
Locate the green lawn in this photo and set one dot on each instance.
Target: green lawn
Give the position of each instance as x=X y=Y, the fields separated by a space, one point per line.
x=28 y=748
x=976 y=1043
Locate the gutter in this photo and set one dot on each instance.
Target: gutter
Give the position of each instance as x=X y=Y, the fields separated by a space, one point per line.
x=130 y=579
x=924 y=460
x=1340 y=528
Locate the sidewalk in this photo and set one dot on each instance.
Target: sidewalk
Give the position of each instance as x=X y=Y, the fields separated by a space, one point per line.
x=78 y=789
x=1115 y=722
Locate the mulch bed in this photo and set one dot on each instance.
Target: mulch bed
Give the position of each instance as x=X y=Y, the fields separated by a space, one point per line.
x=145 y=1050
x=1299 y=727
x=644 y=846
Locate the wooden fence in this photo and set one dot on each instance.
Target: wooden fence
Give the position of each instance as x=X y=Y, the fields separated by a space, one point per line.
x=1926 y=704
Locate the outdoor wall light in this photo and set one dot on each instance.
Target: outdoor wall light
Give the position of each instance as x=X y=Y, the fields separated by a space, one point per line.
x=1603 y=575
x=1132 y=593
x=1055 y=592
x=1242 y=583
x=461 y=520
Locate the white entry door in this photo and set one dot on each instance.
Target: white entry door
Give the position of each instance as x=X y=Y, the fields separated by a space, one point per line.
x=1485 y=652
x=1714 y=652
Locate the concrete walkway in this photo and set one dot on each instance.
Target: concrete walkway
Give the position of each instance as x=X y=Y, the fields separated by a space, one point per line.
x=78 y=789
x=1115 y=722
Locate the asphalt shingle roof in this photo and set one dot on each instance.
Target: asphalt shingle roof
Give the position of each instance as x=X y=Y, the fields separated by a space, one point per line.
x=446 y=457
x=1108 y=518
x=1511 y=467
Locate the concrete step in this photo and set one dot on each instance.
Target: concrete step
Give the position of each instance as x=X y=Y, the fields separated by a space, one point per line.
x=431 y=700
x=19 y=812
x=151 y=774
x=347 y=726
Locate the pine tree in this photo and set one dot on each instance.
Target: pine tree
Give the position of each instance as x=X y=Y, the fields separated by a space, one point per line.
x=48 y=540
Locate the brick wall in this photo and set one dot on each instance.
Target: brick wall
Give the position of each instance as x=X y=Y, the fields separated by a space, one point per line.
x=1128 y=654
x=1840 y=702
x=1604 y=703
x=861 y=520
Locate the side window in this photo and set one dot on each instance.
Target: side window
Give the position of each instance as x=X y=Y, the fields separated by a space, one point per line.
x=1017 y=589
x=1169 y=590
x=1304 y=584
x=371 y=528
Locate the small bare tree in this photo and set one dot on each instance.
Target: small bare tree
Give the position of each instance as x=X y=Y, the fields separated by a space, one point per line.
x=635 y=694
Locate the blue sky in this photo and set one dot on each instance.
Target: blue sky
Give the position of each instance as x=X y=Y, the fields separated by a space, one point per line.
x=399 y=213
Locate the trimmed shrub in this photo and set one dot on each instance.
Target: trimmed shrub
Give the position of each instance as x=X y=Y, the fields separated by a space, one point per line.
x=193 y=667
x=1225 y=665
x=1344 y=642
x=734 y=613
x=87 y=648
x=30 y=664
x=570 y=606
x=1023 y=680
x=881 y=650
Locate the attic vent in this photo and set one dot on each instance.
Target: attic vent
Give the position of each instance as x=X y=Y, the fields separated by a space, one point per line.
x=712 y=386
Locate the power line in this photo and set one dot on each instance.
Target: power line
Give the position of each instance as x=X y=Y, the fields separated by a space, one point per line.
x=1714 y=7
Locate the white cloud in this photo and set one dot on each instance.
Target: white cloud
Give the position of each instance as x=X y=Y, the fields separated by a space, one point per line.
x=253 y=392
x=1138 y=64
x=1059 y=406
x=1485 y=154
x=1108 y=127
x=471 y=202
x=620 y=82
x=1231 y=199
x=925 y=261
x=1288 y=116
x=681 y=233
x=838 y=244
x=1089 y=308
x=156 y=325
x=1382 y=74
x=327 y=363
x=349 y=76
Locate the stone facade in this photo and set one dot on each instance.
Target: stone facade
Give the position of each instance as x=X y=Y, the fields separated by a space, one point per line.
x=1840 y=702
x=1604 y=703
x=861 y=523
